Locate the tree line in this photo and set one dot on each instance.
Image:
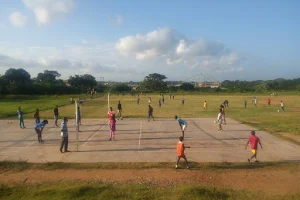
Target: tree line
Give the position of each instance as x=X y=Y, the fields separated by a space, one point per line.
x=19 y=81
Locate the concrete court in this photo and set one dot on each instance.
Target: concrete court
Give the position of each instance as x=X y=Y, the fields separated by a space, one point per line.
x=138 y=140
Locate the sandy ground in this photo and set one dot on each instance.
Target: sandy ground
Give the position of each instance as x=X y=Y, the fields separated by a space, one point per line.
x=271 y=181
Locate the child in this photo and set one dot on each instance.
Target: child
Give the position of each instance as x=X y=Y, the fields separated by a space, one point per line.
x=219 y=119
x=64 y=135
x=39 y=129
x=120 y=111
x=180 y=152
x=20 y=116
x=253 y=140
x=182 y=124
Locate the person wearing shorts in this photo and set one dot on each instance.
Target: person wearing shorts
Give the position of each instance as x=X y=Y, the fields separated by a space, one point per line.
x=180 y=152
x=39 y=129
x=182 y=124
x=253 y=140
x=219 y=119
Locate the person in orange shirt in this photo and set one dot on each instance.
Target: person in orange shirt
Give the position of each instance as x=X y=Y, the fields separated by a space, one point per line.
x=180 y=152
x=269 y=101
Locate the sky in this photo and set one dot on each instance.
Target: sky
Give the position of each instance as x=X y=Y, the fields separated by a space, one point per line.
x=125 y=40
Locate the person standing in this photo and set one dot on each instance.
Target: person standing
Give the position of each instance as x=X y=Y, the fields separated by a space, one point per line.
x=150 y=113
x=281 y=105
x=20 y=116
x=223 y=114
x=56 y=115
x=205 y=106
x=219 y=119
x=111 y=118
x=182 y=101
x=37 y=116
x=64 y=136
x=245 y=103
x=269 y=101
x=163 y=99
x=180 y=152
x=159 y=103
x=120 y=111
x=255 y=102
x=149 y=100
x=138 y=100
x=253 y=140
x=39 y=129
x=182 y=124
x=112 y=126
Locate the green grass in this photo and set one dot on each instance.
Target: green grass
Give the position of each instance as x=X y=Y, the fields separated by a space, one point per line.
x=100 y=190
x=17 y=166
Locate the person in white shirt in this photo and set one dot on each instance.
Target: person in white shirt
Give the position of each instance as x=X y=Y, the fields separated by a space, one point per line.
x=219 y=119
x=281 y=105
x=64 y=135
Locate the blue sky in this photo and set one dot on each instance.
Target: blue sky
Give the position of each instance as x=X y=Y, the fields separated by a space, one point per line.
x=127 y=40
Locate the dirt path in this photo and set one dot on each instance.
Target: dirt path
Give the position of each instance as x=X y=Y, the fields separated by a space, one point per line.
x=275 y=181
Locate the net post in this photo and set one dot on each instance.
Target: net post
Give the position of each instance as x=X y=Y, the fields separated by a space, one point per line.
x=77 y=124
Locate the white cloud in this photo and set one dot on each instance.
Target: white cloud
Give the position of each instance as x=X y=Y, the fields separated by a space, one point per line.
x=18 y=20
x=117 y=19
x=47 y=10
x=174 y=49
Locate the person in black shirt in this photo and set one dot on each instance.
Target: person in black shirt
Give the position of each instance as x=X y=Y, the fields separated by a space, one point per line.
x=120 y=111
x=56 y=115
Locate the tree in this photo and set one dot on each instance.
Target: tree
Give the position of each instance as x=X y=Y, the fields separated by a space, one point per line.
x=120 y=88
x=154 y=82
x=48 y=77
x=20 y=76
x=187 y=86
x=82 y=82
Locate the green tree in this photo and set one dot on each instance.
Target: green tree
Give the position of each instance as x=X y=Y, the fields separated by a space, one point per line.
x=82 y=82
x=48 y=77
x=187 y=86
x=154 y=83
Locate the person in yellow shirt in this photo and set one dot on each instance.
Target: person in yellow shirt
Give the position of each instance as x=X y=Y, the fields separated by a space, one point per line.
x=204 y=105
x=180 y=152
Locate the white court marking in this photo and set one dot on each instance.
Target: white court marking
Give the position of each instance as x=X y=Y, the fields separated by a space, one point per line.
x=95 y=133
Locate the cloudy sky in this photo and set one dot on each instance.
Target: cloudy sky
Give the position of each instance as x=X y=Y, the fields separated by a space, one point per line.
x=123 y=40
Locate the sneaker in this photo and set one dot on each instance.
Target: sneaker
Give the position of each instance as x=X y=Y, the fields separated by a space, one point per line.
x=109 y=139
x=61 y=151
x=188 y=167
x=176 y=166
x=256 y=161
x=249 y=160
x=67 y=151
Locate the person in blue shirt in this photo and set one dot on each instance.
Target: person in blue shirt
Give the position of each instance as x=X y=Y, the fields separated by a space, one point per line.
x=20 y=116
x=182 y=124
x=39 y=129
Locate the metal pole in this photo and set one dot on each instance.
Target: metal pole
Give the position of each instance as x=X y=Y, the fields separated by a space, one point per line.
x=77 y=124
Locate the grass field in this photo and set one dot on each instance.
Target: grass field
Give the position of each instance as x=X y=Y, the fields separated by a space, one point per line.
x=100 y=190
x=92 y=189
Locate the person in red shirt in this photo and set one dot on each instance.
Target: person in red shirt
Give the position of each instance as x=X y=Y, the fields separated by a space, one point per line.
x=269 y=101
x=253 y=140
x=180 y=152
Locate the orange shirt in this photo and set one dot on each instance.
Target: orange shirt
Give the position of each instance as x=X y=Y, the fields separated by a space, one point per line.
x=180 y=149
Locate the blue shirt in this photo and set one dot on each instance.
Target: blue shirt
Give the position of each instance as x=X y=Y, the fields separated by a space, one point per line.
x=64 y=129
x=181 y=121
x=40 y=125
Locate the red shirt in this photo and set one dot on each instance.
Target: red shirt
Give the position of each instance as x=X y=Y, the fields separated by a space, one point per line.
x=253 y=139
x=180 y=148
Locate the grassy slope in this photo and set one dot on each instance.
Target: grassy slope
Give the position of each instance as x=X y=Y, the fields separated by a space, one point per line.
x=99 y=190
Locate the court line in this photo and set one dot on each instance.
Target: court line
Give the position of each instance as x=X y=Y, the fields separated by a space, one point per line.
x=213 y=137
x=95 y=134
x=140 y=136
